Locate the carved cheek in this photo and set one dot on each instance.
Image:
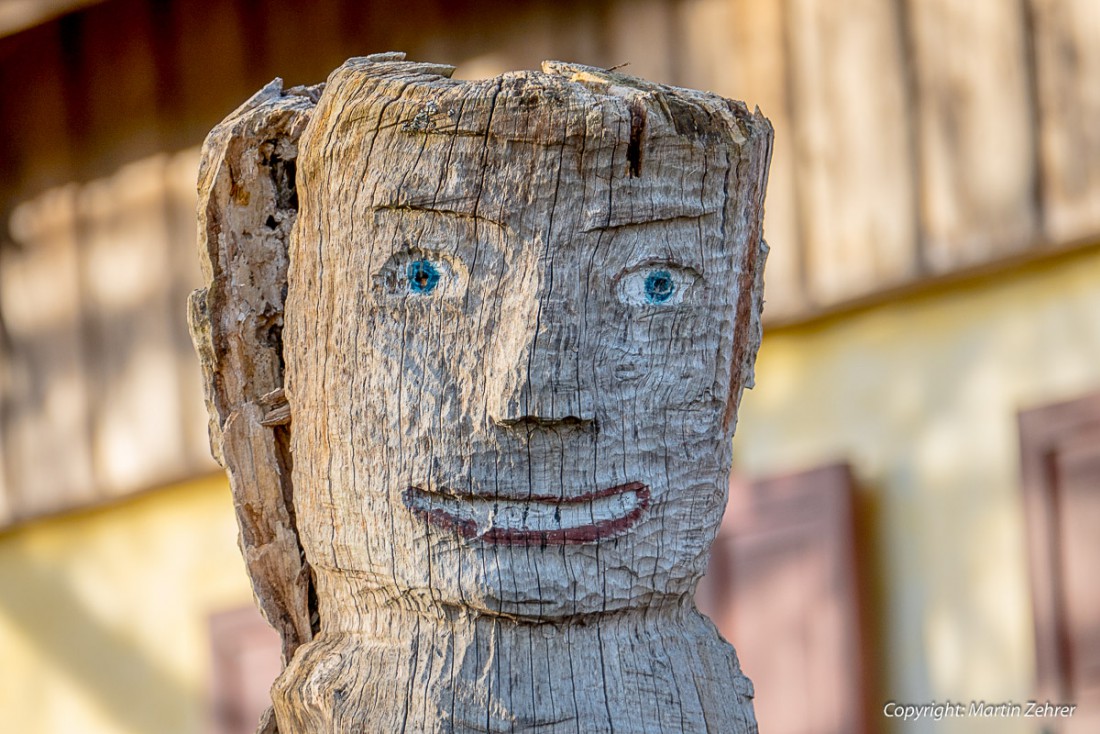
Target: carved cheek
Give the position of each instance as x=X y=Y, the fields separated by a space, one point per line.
x=658 y=360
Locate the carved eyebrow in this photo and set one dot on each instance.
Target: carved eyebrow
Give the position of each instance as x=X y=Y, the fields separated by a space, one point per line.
x=438 y=209
x=594 y=221
x=602 y=218
x=590 y=224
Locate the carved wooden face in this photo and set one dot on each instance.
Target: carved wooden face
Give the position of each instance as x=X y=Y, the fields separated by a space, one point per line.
x=522 y=303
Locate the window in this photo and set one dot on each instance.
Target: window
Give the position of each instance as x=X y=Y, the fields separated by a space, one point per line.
x=782 y=585
x=1060 y=463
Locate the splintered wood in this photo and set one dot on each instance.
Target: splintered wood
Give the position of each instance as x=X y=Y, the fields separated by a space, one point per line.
x=519 y=315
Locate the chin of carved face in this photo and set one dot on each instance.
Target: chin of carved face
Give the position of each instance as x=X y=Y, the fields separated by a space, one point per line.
x=535 y=368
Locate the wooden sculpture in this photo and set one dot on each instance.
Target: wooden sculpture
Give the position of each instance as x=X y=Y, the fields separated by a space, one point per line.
x=473 y=354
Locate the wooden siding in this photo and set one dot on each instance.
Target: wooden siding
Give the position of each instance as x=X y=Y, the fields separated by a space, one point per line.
x=975 y=130
x=914 y=138
x=101 y=388
x=1066 y=38
x=16 y=15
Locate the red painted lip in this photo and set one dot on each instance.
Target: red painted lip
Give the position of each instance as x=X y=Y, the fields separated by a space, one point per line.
x=623 y=505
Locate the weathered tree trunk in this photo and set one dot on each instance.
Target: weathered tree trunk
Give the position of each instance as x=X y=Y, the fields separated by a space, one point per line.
x=519 y=317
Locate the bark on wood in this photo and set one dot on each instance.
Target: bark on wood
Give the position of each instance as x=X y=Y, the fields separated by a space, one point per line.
x=247 y=205
x=520 y=315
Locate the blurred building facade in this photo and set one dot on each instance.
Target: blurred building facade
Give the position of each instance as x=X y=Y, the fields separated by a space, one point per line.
x=918 y=468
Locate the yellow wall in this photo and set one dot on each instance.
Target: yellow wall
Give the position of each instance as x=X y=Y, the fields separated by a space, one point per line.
x=103 y=615
x=921 y=396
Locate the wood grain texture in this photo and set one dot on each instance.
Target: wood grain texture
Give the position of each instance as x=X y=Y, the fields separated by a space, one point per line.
x=247 y=205
x=520 y=315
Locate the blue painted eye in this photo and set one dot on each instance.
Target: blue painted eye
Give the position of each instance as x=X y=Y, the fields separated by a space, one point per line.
x=663 y=284
x=659 y=286
x=423 y=276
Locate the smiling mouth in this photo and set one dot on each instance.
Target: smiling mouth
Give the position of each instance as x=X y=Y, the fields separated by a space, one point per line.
x=536 y=520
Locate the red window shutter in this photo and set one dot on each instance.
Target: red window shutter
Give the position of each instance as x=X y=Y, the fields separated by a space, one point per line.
x=245 y=663
x=782 y=588
x=1060 y=461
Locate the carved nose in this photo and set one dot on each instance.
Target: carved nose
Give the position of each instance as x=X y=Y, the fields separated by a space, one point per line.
x=536 y=376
